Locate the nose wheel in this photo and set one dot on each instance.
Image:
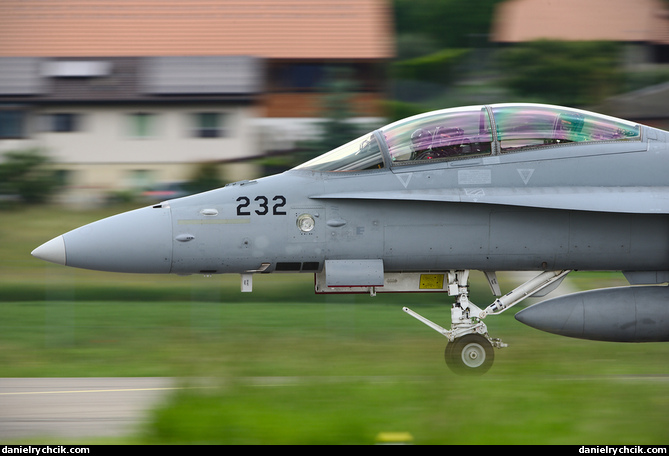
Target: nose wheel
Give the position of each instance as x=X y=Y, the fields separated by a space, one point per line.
x=469 y=355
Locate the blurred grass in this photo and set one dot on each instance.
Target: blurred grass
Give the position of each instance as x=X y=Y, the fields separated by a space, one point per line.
x=288 y=366
x=519 y=410
x=342 y=372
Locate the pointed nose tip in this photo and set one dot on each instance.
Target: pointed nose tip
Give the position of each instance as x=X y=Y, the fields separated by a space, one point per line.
x=138 y=241
x=53 y=251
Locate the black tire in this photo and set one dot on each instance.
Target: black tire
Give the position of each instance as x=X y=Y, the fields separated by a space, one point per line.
x=469 y=355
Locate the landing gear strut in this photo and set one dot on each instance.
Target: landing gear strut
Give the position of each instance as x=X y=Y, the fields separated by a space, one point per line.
x=470 y=348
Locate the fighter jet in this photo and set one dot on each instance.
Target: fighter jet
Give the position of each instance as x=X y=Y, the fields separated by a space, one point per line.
x=416 y=205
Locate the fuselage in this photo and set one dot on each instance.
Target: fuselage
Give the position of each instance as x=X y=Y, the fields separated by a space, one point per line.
x=252 y=226
x=594 y=203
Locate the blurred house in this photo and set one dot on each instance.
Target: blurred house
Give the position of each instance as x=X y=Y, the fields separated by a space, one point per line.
x=129 y=93
x=643 y=25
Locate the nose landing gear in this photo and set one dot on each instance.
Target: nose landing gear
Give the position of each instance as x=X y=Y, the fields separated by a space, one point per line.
x=470 y=348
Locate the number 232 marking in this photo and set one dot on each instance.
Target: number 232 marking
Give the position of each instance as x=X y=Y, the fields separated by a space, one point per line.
x=263 y=205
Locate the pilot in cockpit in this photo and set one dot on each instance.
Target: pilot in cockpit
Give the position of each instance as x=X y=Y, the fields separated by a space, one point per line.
x=444 y=142
x=421 y=141
x=448 y=141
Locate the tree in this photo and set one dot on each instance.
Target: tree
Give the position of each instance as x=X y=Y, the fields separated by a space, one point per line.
x=335 y=127
x=28 y=175
x=205 y=177
x=446 y=23
x=570 y=73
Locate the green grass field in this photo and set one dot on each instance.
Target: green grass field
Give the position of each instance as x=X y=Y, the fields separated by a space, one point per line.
x=287 y=366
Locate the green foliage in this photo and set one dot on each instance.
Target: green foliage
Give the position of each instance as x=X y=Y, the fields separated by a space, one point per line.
x=336 y=128
x=27 y=175
x=206 y=177
x=337 y=110
x=448 y=23
x=438 y=67
x=569 y=73
x=397 y=110
x=409 y=45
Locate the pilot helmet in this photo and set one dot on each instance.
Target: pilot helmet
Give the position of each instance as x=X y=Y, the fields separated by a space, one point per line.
x=444 y=136
x=421 y=139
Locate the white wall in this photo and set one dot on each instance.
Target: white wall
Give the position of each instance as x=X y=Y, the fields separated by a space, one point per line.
x=104 y=136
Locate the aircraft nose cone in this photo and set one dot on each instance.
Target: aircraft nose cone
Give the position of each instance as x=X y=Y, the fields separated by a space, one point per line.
x=53 y=251
x=138 y=241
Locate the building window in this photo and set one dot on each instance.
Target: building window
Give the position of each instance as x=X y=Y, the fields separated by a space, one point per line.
x=139 y=178
x=12 y=124
x=209 y=125
x=64 y=122
x=297 y=77
x=64 y=177
x=142 y=125
x=319 y=77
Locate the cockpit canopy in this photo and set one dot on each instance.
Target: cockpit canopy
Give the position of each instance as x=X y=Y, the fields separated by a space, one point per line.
x=473 y=131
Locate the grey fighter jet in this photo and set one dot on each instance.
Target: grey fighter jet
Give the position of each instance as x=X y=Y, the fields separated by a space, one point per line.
x=418 y=204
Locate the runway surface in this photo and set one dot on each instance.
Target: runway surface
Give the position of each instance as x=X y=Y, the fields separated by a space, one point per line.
x=107 y=407
x=77 y=407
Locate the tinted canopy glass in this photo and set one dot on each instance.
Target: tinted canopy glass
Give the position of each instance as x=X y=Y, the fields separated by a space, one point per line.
x=521 y=127
x=461 y=133
x=447 y=134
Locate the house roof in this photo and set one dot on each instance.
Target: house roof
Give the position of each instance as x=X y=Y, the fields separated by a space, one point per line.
x=581 y=20
x=290 y=29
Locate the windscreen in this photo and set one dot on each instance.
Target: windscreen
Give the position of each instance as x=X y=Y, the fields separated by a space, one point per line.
x=360 y=154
